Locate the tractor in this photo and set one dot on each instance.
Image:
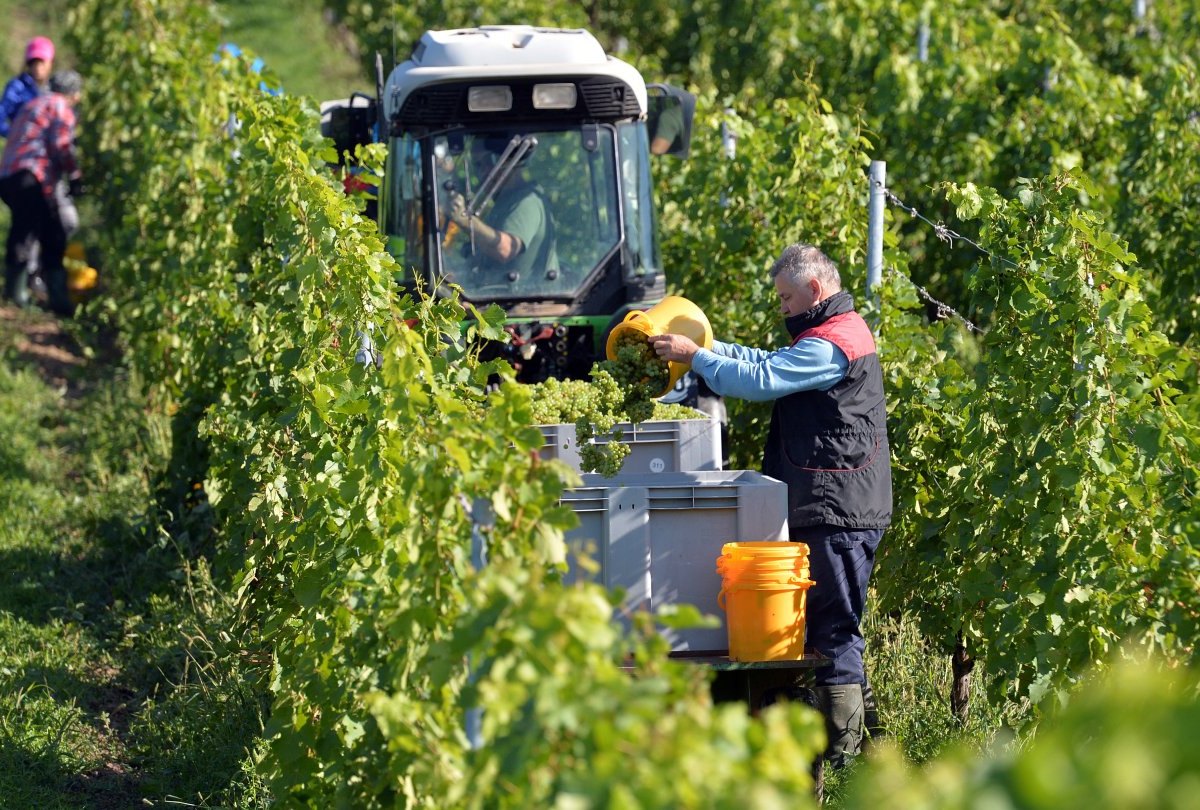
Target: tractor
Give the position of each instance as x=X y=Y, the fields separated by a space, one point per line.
x=537 y=135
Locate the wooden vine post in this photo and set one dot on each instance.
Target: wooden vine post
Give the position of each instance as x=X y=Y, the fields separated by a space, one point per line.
x=961 y=666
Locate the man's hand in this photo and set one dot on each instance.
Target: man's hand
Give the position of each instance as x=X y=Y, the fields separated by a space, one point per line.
x=458 y=210
x=501 y=246
x=674 y=347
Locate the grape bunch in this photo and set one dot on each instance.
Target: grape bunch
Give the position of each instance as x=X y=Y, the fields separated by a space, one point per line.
x=640 y=373
x=674 y=413
x=566 y=401
x=606 y=458
x=621 y=390
x=594 y=408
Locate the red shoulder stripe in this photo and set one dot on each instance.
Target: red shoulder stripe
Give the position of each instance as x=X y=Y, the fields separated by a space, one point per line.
x=848 y=331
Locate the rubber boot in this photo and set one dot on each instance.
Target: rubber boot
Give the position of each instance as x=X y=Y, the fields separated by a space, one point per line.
x=16 y=285
x=842 y=707
x=873 y=731
x=60 y=298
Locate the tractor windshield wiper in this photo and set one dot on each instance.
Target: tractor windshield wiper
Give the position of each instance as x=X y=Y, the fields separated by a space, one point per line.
x=510 y=158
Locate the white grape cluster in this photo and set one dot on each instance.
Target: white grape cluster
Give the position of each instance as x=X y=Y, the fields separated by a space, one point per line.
x=594 y=407
x=621 y=390
x=564 y=401
x=640 y=373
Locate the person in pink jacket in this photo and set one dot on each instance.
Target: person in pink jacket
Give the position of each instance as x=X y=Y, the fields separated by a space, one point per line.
x=40 y=152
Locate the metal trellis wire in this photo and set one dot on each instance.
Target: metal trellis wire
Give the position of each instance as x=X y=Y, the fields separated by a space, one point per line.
x=944 y=310
x=941 y=231
x=945 y=234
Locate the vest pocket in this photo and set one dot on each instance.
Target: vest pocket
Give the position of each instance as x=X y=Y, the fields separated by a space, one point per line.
x=833 y=453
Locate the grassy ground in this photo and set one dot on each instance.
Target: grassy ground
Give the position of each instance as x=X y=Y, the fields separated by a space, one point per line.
x=118 y=684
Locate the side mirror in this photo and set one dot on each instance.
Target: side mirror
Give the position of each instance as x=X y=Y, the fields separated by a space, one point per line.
x=669 y=120
x=349 y=122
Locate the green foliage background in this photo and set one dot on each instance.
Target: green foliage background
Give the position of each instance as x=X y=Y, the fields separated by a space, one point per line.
x=1045 y=471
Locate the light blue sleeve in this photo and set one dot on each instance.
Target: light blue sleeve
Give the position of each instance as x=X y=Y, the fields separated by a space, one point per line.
x=757 y=375
x=740 y=352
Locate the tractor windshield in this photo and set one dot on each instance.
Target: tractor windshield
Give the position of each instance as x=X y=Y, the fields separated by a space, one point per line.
x=537 y=211
x=523 y=213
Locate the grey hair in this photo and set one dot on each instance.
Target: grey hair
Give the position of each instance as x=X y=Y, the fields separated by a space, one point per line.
x=800 y=263
x=66 y=82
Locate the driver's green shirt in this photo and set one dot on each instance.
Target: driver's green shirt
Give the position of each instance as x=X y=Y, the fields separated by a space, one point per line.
x=519 y=211
x=669 y=125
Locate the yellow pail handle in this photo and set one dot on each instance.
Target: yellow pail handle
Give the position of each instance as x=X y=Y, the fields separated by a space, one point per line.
x=792 y=584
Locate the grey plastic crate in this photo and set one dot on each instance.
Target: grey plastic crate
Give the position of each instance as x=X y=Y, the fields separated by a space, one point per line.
x=659 y=536
x=681 y=445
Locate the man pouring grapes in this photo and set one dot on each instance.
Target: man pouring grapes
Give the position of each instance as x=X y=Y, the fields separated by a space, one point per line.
x=828 y=442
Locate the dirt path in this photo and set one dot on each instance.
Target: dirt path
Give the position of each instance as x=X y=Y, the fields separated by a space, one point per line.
x=38 y=340
x=50 y=346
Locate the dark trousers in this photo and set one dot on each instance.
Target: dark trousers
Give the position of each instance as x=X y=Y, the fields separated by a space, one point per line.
x=34 y=217
x=841 y=561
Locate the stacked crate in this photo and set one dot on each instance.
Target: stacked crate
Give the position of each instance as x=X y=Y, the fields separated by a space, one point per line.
x=657 y=528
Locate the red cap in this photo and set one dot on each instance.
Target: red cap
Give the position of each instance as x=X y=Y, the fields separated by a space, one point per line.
x=39 y=48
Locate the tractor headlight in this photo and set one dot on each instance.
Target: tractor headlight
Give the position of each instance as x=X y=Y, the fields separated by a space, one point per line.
x=496 y=98
x=560 y=96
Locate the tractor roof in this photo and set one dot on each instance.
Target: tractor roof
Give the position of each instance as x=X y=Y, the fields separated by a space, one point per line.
x=496 y=52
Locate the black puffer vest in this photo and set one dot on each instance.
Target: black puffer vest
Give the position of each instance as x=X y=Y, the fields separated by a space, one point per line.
x=830 y=447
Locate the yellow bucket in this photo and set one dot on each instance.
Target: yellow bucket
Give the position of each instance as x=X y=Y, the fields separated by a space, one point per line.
x=764 y=588
x=764 y=572
x=81 y=278
x=734 y=568
x=765 y=620
x=674 y=315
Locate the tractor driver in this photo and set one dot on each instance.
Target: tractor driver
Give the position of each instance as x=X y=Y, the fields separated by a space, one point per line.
x=517 y=235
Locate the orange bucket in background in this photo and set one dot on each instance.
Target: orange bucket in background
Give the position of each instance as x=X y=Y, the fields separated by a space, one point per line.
x=734 y=569
x=742 y=560
x=765 y=620
x=764 y=587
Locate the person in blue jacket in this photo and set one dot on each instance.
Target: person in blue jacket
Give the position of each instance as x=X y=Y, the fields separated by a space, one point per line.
x=828 y=442
x=256 y=65
x=33 y=82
